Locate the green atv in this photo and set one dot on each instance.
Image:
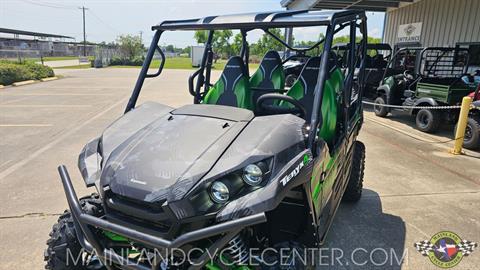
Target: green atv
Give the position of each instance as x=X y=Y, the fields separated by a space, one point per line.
x=246 y=176
x=398 y=77
x=436 y=80
x=440 y=83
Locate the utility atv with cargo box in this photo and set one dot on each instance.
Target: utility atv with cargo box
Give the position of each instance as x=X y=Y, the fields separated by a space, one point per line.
x=432 y=90
x=234 y=174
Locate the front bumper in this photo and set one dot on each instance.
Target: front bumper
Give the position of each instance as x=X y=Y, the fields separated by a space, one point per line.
x=85 y=222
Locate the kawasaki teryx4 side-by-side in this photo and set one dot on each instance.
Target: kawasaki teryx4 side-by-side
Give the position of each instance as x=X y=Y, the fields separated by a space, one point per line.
x=234 y=179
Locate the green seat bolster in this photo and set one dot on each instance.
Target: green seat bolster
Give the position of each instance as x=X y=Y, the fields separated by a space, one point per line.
x=331 y=91
x=256 y=78
x=243 y=93
x=278 y=78
x=214 y=93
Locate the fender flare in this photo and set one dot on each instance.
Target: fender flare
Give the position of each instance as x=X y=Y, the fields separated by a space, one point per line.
x=424 y=100
x=386 y=89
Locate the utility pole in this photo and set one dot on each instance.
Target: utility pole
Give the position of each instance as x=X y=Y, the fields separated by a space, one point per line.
x=141 y=36
x=84 y=33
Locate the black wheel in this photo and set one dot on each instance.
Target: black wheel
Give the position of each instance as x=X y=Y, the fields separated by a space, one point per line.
x=289 y=255
x=471 y=140
x=290 y=80
x=353 y=192
x=64 y=251
x=428 y=120
x=380 y=111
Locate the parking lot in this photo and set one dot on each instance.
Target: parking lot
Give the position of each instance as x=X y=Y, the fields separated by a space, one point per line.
x=413 y=187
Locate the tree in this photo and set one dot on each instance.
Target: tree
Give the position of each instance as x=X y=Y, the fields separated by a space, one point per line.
x=237 y=43
x=267 y=43
x=170 y=48
x=201 y=36
x=130 y=46
x=221 y=42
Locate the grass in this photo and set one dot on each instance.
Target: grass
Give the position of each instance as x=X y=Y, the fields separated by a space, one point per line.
x=83 y=66
x=184 y=63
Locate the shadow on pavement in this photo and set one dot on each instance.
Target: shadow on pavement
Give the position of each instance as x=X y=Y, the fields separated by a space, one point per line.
x=446 y=129
x=368 y=238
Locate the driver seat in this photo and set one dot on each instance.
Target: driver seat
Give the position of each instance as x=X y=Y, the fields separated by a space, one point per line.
x=233 y=87
x=269 y=75
x=303 y=90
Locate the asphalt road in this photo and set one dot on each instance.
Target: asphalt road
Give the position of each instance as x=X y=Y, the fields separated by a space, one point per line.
x=413 y=187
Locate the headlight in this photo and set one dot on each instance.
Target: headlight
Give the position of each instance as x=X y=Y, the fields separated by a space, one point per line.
x=219 y=192
x=252 y=175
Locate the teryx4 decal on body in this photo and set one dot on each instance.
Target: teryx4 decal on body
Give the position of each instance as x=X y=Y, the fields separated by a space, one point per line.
x=296 y=170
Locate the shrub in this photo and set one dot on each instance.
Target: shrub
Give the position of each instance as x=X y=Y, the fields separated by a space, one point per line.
x=126 y=62
x=11 y=72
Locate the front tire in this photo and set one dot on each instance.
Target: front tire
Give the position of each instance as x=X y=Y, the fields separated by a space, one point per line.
x=380 y=111
x=353 y=192
x=428 y=120
x=64 y=251
x=472 y=134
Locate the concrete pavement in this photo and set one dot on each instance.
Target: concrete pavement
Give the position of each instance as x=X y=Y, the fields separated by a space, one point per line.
x=413 y=187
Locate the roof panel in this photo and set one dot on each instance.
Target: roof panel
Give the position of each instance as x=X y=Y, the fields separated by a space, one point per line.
x=258 y=20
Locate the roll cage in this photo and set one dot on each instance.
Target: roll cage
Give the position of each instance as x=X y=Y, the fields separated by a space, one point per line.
x=335 y=21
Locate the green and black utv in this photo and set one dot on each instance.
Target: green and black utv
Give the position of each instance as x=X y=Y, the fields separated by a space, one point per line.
x=244 y=178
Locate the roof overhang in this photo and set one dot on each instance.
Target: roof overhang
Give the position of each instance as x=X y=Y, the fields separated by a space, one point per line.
x=368 y=5
x=33 y=34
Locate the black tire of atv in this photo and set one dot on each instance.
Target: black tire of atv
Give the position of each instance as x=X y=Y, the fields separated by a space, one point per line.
x=428 y=120
x=63 y=247
x=302 y=260
x=290 y=80
x=473 y=127
x=380 y=111
x=353 y=192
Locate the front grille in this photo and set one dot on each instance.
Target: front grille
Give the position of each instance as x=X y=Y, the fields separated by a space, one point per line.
x=143 y=216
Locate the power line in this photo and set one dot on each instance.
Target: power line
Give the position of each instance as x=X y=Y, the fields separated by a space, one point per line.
x=42 y=4
x=104 y=22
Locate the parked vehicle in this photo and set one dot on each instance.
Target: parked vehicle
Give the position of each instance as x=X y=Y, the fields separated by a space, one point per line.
x=378 y=57
x=435 y=81
x=397 y=78
x=471 y=139
x=227 y=173
x=439 y=84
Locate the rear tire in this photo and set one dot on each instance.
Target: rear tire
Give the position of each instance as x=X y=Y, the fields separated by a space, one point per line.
x=380 y=111
x=353 y=192
x=64 y=251
x=472 y=134
x=428 y=120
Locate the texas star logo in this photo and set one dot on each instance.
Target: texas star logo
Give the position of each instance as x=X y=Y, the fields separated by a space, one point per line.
x=445 y=249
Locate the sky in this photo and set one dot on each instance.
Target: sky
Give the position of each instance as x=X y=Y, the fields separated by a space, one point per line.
x=107 y=19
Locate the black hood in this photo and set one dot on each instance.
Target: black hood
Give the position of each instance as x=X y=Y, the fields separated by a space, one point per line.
x=166 y=157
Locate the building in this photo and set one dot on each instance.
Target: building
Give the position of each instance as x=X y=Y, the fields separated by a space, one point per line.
x=432 y=23
x=26 y=44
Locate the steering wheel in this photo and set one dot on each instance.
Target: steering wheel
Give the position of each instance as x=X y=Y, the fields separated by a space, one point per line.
x=264 y=108
x=407 y=74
